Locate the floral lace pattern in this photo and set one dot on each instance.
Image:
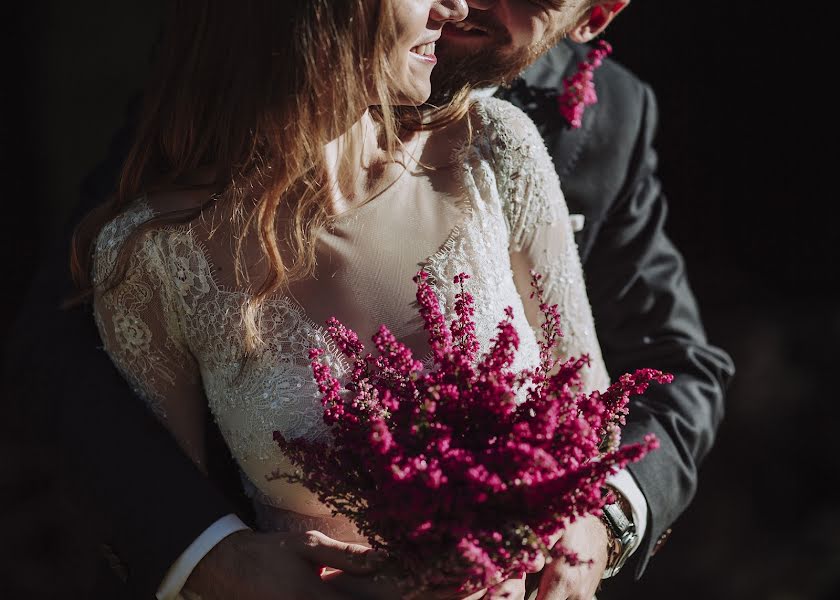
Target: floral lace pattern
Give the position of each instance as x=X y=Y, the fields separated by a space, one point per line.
x=169 y=319
x=540 y=224
x=148 y=369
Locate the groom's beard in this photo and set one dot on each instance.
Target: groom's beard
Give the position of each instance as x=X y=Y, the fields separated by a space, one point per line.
x=491 y=66
x=485 y=68
x=482 y=69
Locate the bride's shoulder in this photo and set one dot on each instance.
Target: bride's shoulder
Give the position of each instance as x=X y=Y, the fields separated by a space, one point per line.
x=141 y=229
x=507 y=137
x=493 y=129
x=161 y=206
x=489 y=110
x=117 y=229
x=494 y=117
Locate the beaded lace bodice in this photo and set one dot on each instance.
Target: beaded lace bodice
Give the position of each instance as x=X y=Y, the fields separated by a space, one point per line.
x=175 y=330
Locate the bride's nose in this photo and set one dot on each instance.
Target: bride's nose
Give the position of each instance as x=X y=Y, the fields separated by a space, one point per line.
x=444 y=11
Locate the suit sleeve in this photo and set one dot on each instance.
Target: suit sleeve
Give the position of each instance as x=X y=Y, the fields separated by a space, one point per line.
x=150 y=501
x=646 y=316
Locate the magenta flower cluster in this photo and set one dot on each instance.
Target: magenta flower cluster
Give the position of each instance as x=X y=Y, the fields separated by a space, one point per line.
x=464 y=471
x=579 y=89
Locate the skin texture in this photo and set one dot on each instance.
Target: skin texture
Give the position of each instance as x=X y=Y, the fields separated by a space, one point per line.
x=258 y=566
x=561 y=581
x=418 y=22
x=514 y=25
x=511 y=35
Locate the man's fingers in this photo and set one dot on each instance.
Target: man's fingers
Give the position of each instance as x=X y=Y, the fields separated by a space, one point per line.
x=509 y=589
x=538 y=565
x=385 y=587
x=368 y=588
x=323 y=550
x=324 y=591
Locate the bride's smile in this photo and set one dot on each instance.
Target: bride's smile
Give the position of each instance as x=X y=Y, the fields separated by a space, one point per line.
x=417 y=26
x=425 y=52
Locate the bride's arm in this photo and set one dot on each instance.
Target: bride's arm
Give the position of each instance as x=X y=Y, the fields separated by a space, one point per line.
x=140 y=324
x=542 y=239
x=541 y=235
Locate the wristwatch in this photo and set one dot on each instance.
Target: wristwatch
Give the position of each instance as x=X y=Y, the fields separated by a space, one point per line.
x=623 y=530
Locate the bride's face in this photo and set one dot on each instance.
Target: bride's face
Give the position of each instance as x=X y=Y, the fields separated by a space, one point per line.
x=418 y=24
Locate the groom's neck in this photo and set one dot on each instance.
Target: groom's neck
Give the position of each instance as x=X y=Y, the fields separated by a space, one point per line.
x=556 y=60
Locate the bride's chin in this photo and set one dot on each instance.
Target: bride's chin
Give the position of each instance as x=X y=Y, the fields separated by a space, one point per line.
x=414 y=90
x=411 y=99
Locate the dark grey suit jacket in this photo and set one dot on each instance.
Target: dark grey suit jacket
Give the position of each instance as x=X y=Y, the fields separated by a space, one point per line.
x=645 y=312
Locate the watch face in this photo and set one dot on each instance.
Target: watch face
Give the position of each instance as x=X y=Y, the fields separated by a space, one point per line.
x=624 y=531
x=618 y=521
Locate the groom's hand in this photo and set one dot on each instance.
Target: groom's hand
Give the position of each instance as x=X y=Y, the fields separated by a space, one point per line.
x=385 y=586
x=510 y=589
x=276 y=566
x=587 y=537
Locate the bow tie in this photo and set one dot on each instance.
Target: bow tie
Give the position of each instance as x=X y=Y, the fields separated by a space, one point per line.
x=538 y=103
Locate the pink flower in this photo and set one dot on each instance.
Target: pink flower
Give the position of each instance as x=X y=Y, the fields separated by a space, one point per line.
x=579 y=89
x=443 y=468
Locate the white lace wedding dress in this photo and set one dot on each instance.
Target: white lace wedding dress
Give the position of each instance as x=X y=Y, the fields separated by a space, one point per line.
x=173 y=324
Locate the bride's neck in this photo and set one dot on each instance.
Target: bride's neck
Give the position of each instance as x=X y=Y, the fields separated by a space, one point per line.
x=355 y=164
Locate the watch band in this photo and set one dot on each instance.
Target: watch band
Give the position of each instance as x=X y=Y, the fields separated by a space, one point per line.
x=624 y=530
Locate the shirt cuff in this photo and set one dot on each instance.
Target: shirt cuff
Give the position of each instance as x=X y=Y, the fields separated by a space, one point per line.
x=623 y=481
x=174 y=580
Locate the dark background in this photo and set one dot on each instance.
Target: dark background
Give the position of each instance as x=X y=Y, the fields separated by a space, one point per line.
x=744 y=131
x=745 y=136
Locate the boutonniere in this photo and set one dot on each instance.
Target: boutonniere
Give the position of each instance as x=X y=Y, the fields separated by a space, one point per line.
x=579 y=89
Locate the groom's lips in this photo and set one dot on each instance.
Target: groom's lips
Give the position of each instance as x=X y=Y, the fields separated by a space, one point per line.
x=452 y=32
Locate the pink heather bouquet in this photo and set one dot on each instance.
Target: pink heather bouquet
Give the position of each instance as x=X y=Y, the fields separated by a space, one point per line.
x=444 y=469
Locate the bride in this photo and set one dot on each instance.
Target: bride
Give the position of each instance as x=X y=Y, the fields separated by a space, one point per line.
x=285 y=172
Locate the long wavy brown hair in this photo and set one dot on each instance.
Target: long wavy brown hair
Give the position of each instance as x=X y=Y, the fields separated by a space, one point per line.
x=253 y=90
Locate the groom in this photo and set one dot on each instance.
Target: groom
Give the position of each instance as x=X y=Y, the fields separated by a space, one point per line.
x=165 y=522
x=645 y=313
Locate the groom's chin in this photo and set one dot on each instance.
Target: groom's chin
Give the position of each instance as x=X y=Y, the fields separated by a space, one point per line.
x=485 y=67
x=457 y=71
x=481 y=70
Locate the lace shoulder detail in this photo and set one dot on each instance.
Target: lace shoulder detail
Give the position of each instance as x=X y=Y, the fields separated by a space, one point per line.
x=113 y=236
x=168 y=324
x=504 y=124
x=526 y=178
x=136 y=313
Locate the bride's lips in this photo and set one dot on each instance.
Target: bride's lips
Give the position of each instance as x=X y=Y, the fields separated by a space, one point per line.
x=425 y=51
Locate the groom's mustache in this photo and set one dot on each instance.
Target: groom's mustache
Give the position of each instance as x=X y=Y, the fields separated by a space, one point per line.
x=484 y=20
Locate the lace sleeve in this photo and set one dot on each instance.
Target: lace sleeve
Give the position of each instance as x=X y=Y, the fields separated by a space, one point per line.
x=541 y=236
x=139 y=323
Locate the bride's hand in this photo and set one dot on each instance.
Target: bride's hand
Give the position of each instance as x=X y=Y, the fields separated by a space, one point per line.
x=277 y=566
